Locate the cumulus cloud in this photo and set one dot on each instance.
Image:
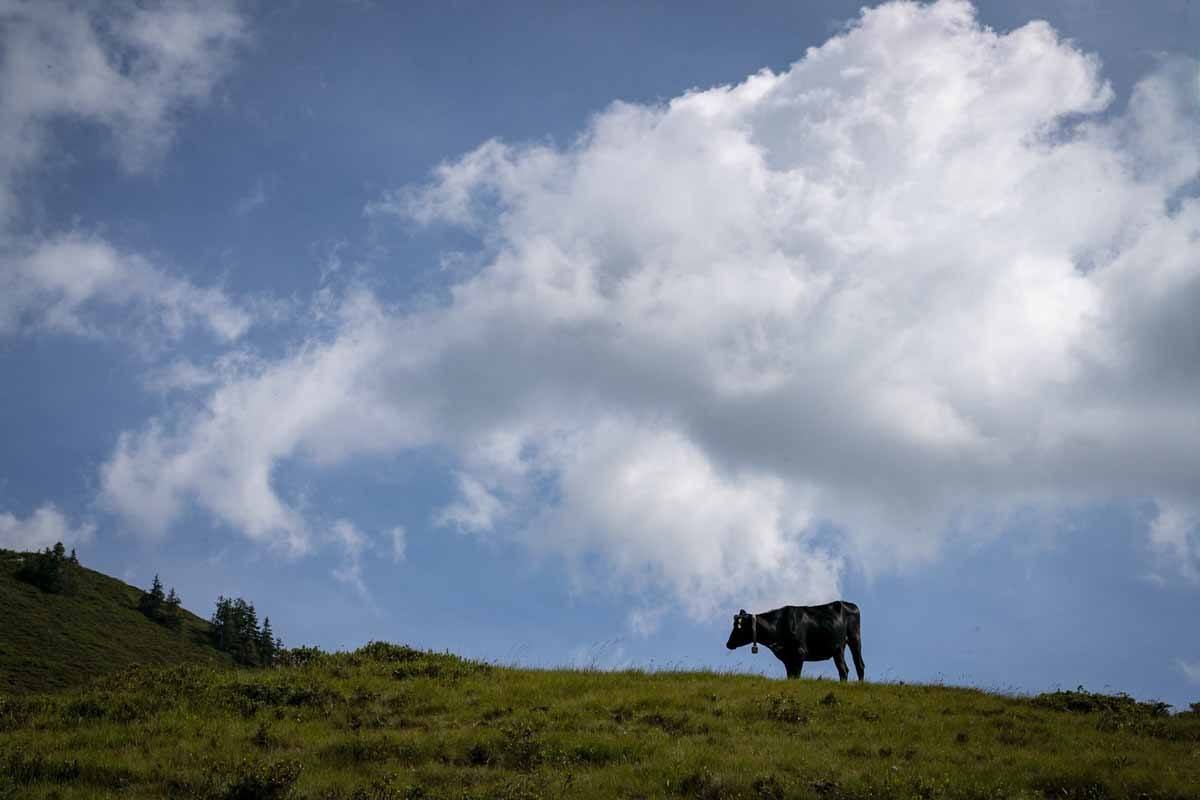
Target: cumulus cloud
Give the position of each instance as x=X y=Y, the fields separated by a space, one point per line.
x=68 y=282
x=320 y=402
x=719 y=347
x=130 y=71
x=41 y=529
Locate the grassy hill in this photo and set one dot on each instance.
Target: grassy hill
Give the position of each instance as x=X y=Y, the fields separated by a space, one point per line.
x=389 y=722
x=52 y=641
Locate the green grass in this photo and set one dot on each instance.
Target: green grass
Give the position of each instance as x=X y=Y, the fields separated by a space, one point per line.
x=53 y=641
x=390 y=722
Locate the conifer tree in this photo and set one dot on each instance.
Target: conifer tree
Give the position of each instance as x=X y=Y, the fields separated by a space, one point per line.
x=235 y=630
x=246 y=622
x=266 y=644
x=151 y=603
x=224 y=632
x=171 y=614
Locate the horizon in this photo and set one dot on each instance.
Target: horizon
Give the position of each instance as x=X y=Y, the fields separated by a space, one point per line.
x=553 y=337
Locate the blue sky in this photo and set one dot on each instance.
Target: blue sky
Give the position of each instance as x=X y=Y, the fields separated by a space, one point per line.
x=556 y=336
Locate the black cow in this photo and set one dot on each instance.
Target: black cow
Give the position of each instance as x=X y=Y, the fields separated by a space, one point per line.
x=796 y=634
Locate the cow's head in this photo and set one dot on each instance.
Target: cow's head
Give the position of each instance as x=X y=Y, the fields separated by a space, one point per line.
x=741 y=633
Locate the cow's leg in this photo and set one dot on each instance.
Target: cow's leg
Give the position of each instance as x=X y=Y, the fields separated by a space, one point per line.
x=839 y=658
x=795 y=668
x=855 y=642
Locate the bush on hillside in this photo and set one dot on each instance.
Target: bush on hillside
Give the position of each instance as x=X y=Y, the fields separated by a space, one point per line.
x=52 y=570
x=1085 y=702
x=300 y=656
x=163 y=609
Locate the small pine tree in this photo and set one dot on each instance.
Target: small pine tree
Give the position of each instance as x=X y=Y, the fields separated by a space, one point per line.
x=246 y=620
x=266 y=644
x=151 y=603
x=172 y=616
x=224 y=633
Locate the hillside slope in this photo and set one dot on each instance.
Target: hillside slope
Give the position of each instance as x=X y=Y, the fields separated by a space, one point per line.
x=52 y=641
x=388 y=722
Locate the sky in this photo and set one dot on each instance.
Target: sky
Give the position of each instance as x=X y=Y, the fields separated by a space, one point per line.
x=555 y=336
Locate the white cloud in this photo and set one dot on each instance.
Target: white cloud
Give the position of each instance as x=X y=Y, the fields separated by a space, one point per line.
x=399 y=543
x=1175 y=536
x=66 y=284
x=476 y=510
x=130 y=71
x=1190 y=669
x=184 y=375
x=645 y=622
x=321 y=402
x=252 y=200
x=352 y=543
x=718 y=347
x=41 y=529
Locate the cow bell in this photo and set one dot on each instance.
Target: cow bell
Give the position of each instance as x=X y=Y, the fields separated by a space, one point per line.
x=753 y=648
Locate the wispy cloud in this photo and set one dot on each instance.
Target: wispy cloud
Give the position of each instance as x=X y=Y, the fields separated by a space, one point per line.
x=352 y=543
x=1190 y=670
x=399 y=544
x=77 y=283
x=645 y=622
x=252 y=200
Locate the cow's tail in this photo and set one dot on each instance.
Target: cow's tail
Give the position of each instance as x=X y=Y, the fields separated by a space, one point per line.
x=854 y=637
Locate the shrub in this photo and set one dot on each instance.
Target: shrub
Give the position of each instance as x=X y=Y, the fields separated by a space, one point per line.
x=1084 y=702
x=263 y=781
x=300 y=656
x=52 y=570
x=703 y=785
x=388 y=652
x=522 y=749
x=278 y=694
x=782 y=708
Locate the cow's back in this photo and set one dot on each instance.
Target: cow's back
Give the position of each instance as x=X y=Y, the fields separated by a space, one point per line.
x=821 y=630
